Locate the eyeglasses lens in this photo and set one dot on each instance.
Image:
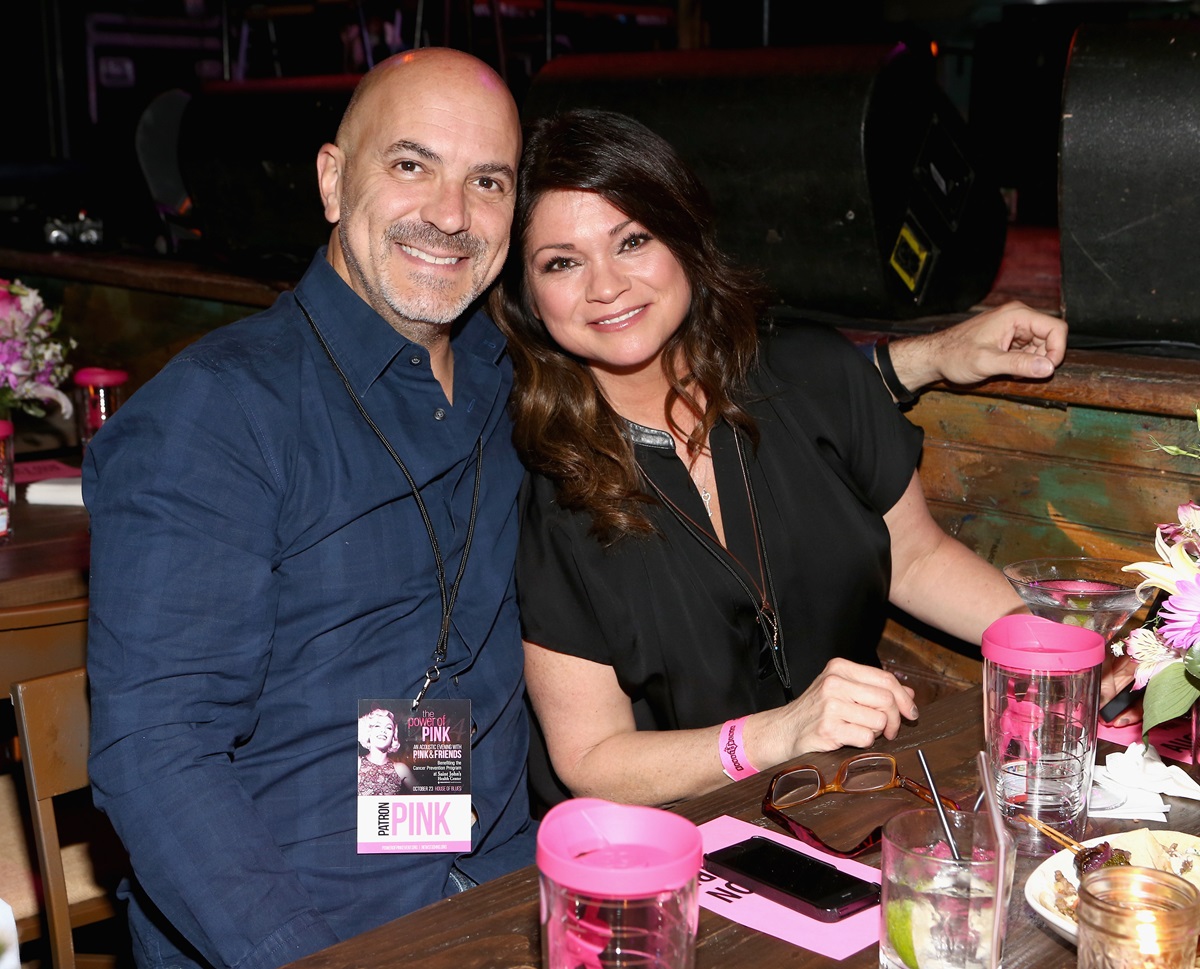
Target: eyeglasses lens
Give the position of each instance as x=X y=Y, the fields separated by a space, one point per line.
x=869 y=774
x=795 y=787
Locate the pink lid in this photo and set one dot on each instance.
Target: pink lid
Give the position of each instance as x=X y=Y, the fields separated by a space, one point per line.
x=617 y=850
x=1022 y=642
x=100 y=377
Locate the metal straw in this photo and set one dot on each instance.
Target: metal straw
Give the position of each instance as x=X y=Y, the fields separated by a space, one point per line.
x=937 y=803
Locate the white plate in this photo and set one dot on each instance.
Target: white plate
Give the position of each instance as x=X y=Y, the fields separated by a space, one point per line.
x=1041 y=881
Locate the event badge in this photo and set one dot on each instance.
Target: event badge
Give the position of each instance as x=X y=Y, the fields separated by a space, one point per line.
x=414 y=776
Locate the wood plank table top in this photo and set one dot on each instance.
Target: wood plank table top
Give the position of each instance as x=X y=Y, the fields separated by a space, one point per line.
x=496 y=924
x=46 y=557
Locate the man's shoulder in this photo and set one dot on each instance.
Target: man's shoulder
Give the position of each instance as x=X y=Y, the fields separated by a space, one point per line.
x=267 y=336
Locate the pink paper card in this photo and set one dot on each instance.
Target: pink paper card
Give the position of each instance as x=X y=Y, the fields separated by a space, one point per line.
x=1172 y=739
x=26 y=471
x=835 y=940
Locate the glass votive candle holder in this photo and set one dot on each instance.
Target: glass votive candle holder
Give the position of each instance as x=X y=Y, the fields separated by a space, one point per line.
x=1137 y=918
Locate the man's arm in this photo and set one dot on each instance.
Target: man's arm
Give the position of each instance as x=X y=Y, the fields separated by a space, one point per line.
x=184 y=511
x=1011 y=340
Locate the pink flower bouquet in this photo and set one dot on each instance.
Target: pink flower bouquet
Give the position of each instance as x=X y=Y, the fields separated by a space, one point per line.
x=32 y=361
x=1167 y=649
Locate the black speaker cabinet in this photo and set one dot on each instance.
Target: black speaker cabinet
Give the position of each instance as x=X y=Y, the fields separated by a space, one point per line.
x=1129 y=176
x=844 y=173
x=248 y=158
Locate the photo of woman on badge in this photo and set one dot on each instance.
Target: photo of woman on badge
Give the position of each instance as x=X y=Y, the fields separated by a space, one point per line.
x=380 y=773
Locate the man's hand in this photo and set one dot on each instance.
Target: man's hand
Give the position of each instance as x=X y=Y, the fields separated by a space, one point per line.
x=1011 y=340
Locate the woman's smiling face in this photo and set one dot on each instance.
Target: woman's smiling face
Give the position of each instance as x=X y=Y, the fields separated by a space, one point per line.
x=607 y=291
x=381 y=730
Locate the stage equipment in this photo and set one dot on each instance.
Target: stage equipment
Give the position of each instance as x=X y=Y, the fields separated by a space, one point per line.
x=1129 y=174
x=248 y=159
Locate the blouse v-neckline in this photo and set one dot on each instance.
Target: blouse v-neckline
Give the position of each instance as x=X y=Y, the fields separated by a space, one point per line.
x=677 y=485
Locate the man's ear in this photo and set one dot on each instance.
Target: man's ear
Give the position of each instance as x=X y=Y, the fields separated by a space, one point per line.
x=330 y=163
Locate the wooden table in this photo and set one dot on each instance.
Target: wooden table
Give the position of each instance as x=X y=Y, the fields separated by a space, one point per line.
x=47 y=556
x=496 y=924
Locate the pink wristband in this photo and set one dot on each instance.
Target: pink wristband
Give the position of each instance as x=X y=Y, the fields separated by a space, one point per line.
x=734 y=761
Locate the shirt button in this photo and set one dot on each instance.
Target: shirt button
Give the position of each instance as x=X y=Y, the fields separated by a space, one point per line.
x=439 y=414
x=415 y=361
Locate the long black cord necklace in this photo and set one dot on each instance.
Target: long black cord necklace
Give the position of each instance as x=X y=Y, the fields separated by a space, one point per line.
x=762 y=596
x=449 y=597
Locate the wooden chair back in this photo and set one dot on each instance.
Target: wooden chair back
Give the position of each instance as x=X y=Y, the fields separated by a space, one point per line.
x=53 y=719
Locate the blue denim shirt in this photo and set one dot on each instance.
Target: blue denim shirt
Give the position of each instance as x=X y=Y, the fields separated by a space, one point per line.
x=258 y=566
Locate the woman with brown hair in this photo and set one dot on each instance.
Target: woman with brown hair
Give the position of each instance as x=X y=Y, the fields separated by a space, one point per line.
x=717 y=514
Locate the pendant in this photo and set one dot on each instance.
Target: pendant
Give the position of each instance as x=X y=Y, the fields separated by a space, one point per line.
x=707 y=499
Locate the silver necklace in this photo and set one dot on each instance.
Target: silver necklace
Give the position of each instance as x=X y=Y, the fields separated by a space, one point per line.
x=705 y=495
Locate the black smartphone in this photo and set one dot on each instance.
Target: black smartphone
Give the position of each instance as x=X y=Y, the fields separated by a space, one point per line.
x=1121 y=702
x=792 y=878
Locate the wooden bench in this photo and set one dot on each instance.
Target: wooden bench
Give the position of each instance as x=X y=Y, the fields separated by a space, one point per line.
x=1067 y=467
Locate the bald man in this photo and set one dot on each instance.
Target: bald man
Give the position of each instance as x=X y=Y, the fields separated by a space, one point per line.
x=306 y=509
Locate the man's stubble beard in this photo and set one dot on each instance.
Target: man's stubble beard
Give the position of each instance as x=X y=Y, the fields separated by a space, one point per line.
x=417 y=312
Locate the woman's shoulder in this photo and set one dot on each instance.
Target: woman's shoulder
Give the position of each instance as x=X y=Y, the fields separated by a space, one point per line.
x=543 y=515
x=553 y=535
x=809 y=353
x=794 y=337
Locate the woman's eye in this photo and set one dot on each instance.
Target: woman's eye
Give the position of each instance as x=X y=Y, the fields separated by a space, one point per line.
x=558 y=264
x=635 y=241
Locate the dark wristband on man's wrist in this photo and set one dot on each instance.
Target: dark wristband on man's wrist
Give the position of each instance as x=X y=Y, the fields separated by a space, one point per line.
x=887 y=370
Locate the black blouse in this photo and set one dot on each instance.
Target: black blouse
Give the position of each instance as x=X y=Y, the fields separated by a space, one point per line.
x=672 y=620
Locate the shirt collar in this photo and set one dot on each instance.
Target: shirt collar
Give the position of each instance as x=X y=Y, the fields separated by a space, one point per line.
x=648 y=436
x=365 y=344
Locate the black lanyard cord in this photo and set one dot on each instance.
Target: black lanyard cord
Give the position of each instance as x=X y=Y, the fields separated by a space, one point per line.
x=763 y=598
x=433 y=673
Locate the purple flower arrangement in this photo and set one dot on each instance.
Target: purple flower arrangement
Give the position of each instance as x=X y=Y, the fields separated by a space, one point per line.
x=32 y=361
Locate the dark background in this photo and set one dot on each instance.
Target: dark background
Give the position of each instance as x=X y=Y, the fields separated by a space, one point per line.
x=85 y=71
x=259 y=86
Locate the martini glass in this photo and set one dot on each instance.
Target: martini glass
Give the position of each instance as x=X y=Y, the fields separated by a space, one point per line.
x=1089 y=592
x=1093 y=593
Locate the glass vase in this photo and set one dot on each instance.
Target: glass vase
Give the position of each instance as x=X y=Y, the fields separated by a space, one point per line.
x=8 y=486
x=1195 y=718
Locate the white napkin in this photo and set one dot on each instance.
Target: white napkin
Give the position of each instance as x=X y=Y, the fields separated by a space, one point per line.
x=1139 y=771
x=55 y=491
x=10 y=953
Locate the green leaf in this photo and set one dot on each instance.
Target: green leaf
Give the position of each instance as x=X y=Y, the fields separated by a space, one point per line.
x=1191 y=661
x=1170 y=693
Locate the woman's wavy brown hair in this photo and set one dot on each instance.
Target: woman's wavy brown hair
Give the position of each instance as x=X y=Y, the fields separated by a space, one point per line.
x=565 y=429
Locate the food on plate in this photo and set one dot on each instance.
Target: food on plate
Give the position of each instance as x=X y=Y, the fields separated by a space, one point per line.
x=1102 y=855
x=1142 y=848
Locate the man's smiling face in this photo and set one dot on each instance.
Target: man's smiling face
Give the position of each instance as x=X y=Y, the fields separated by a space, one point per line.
x=424 y=188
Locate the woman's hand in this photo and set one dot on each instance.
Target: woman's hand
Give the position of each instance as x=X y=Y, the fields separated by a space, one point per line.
x=847 y=705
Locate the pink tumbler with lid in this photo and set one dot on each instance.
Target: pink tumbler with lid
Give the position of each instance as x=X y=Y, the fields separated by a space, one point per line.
x=618 y=886
x=1041 y=682
x=100 y=393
